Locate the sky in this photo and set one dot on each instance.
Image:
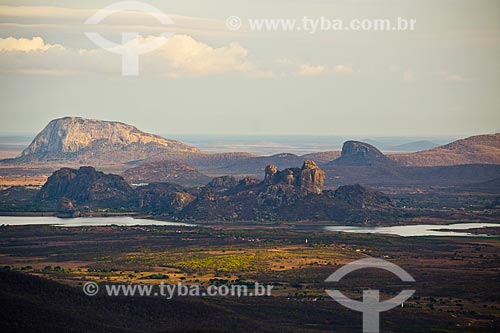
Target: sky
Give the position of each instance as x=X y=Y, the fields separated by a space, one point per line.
x=440 y=79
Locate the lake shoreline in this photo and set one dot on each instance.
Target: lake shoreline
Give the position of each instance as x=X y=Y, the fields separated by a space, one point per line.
x=450 y=229
x=305 y=224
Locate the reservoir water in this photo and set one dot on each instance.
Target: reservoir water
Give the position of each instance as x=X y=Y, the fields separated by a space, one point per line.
x=84 y=221
x=417 y=230
x=457 y=229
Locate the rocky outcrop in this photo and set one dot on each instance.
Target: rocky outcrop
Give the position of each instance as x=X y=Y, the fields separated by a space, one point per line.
x=312 y=178
x=90 y=140
x=163 y=198
x=308 y=179
x=165 y=171
x=361 y=197
x=270 y=171
x=248 y=181
x=88 y=187
x=290 y=194
x=65 y=205
x=357 y=153
x=222 y=183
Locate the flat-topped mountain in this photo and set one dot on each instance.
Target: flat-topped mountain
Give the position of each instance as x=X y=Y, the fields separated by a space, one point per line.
x=89 y=140
x=479 y=149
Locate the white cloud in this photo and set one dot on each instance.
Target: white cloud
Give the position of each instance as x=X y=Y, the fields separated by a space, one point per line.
x=343 y=69
x=311 y=70
x=286 y=67
x=186 y=56
x=180 y=56
x=26 y=45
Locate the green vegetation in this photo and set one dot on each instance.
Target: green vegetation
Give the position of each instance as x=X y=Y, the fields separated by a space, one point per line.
x=456 y=277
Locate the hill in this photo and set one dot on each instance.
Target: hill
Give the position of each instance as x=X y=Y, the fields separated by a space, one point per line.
x=34 y=304
x=165 y=171
x=480 y=149
x=91 y=141
x=414 y=146
x=322 y=157
x=87 y=187
x=364 y=164
x=356 y=153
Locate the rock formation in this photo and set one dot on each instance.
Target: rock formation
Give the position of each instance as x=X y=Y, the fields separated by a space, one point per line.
x=222 y=183
x=308 y=179
x=357 y=153
x=362 y=197
x=291 y=194
x=163 y=198
x=90 y=140
x=88 y=187
x=312 y=178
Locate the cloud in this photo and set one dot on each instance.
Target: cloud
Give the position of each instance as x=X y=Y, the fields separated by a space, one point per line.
x=311 y=70
x=178 y=56
x=34 y=56
x=343 y=69
x=287 y=67
x=186 y=56
x=26 y=45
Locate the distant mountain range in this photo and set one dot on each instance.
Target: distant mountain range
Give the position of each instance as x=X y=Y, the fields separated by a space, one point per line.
x=362 y=163
x=405 y=147
x=480 y=149
x=143 y=157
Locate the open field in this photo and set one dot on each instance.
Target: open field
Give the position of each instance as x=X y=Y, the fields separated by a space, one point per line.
x=457 y=278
